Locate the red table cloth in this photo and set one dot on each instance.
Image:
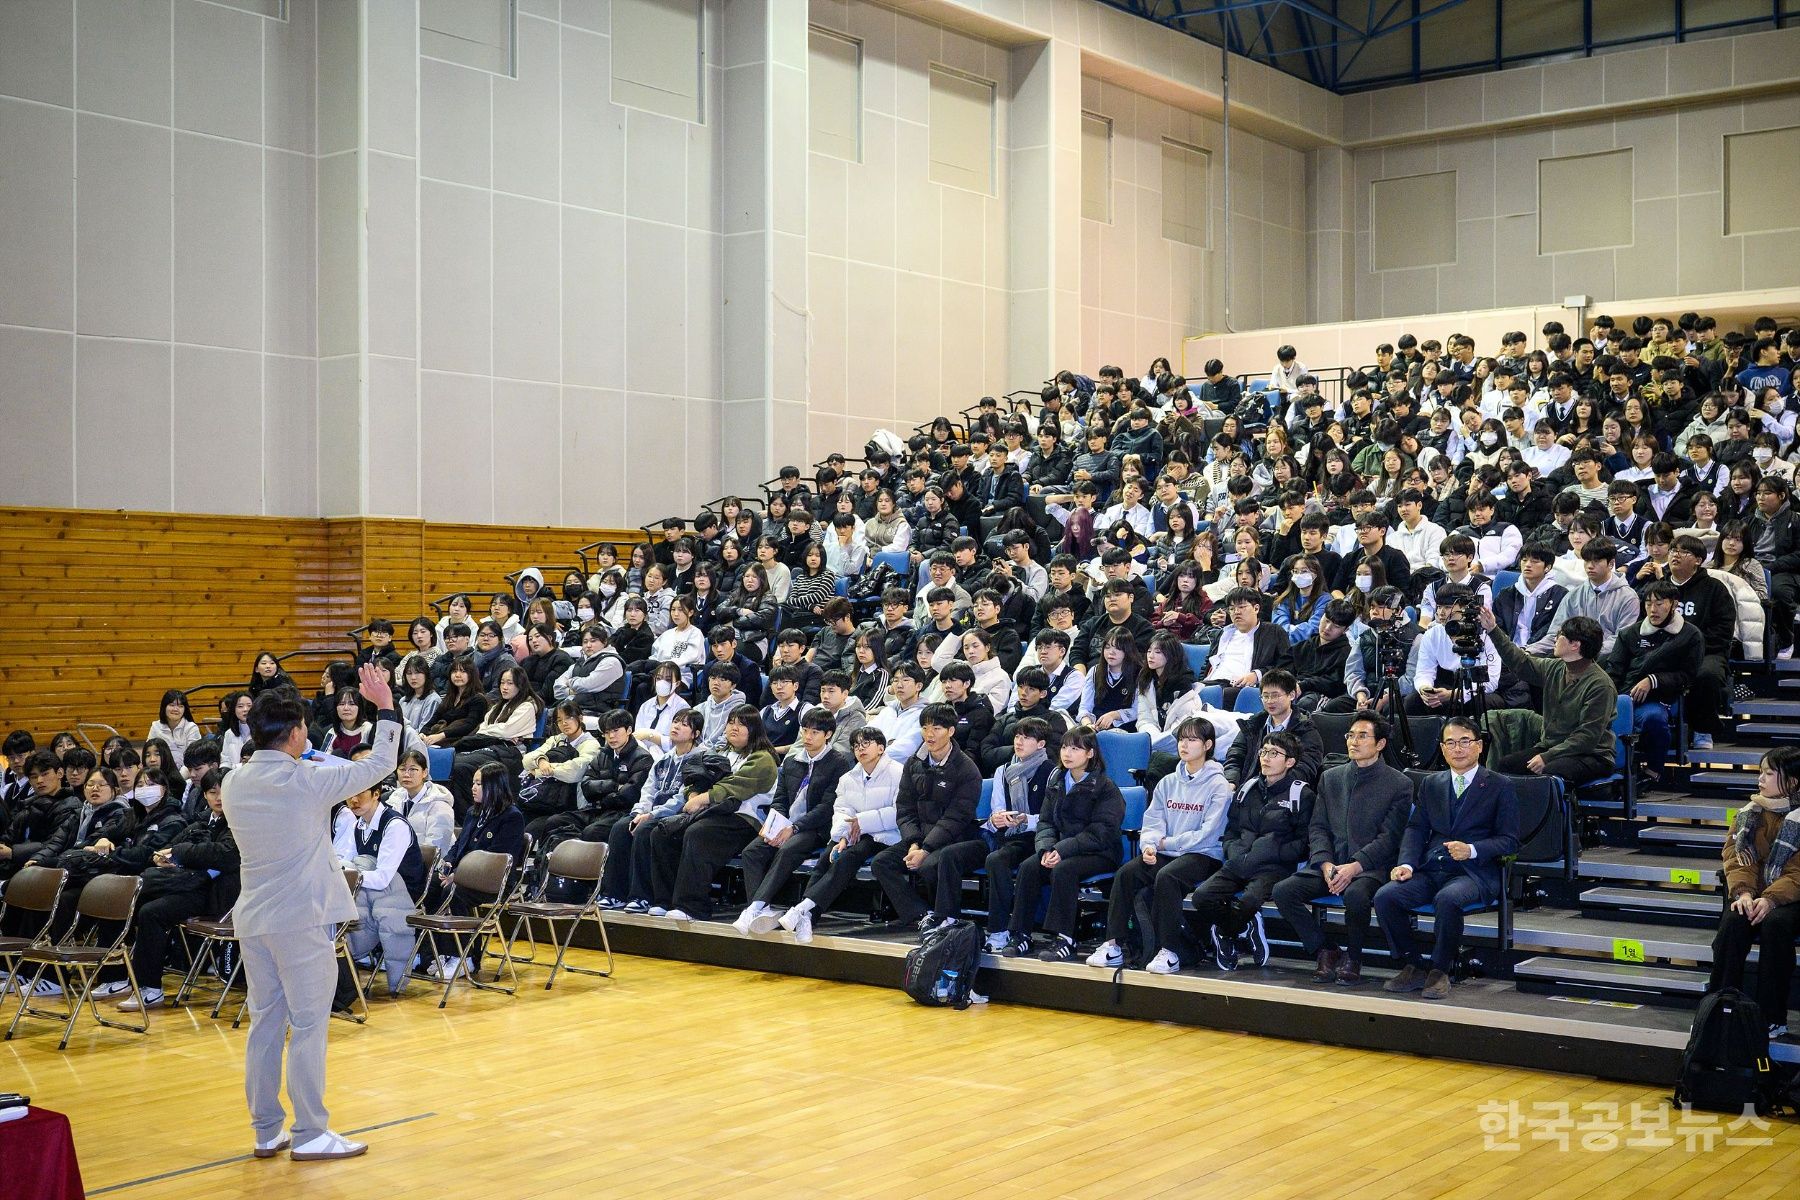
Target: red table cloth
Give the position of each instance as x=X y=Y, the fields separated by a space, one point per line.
x=37 y=1158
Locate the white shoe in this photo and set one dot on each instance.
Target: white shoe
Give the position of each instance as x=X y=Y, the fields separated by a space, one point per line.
x=747 y=917
x=47 y=987
x=327 y=1145
x=657 y=910
x=996 y=942
x=765 y=923
x=802 y=926
x=153 y=998
x=1165 y=963
x=1785 y=653
x=675 y=914
x=790 y=919
x=103 y=990
x=272 y=1147
x=1703 y=741
x=449 y=966
x=1107 y=954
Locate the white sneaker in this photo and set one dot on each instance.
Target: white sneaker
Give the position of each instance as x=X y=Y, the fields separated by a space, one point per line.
x=103 y=990
x=1777 y=1031
x=657 y=910
x=153 y=998
x=1165 y=963
x=675 y=914
x=327 y=1145
x=747 y=917
x=996 y=942
x=1107 y=954
x=802 y=927
x=1785 y=653
x=47 y=987
x=1703 y=741
x=449 y=966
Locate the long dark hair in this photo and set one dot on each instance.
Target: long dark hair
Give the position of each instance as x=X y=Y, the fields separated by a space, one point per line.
x=497 y=791
x=1132 y=667
x=751 y=720
x=502 y=710
x=168 y=771
x=172 y=696
x=363 y=709
x=1084 y=737
x=454 y=696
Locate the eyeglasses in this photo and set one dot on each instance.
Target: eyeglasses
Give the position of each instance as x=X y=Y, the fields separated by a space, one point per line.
x=1460 y=743
x=1359 y=735
x=1272 y=752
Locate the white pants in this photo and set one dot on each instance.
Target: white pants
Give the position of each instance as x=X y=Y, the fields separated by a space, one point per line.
x=292 y=977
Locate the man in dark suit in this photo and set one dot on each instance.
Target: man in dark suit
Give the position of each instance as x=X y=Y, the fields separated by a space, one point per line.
x=1464 y=822
x=1279 y=691
x=1525 y=610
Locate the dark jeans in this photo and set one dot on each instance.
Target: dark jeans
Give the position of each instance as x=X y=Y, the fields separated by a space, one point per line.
x=899 y=885
x=471 y=758
x=768 y=868
x=957 y=861
x=1294 y=896
x=1784 y=597
x=1572 y=771
x=1775 y=966
x=1064 y=880
x=1168 y=881
x=684 y=862
x=1707 y=697
x=831 y=877
x=1448 y=893
x=1227 y=900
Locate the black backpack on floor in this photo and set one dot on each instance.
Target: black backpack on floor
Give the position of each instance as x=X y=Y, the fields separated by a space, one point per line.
x=940 y=970
x=1725 y=1067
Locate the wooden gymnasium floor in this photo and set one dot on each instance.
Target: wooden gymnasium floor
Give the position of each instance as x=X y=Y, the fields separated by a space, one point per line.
x=676 y=1080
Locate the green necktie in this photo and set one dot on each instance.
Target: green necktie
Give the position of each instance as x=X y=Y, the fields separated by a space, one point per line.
x=1461 y=783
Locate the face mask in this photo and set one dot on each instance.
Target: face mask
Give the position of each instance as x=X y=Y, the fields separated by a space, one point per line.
x=664 y=687
x=1762 y=455
x=585 y=614
x=1364 y=583
x=1303 y=580
x=607 y=589
x=1490 y=439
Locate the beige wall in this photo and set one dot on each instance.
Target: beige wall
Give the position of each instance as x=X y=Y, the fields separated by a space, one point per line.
x=1141 y=293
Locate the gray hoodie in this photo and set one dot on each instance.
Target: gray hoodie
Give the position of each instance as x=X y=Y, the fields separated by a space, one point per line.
x=1187 y=813
x=714 y=712
x=1613 y=604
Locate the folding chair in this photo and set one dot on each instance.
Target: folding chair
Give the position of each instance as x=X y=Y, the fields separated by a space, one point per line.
x=107 y=898
x=341 y=948
x=214 y=935
x=581 y=862
x=479 y=871
x=33 y=889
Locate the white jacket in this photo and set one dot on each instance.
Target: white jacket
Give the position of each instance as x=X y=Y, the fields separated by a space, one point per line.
x=1751 y=618
x=869 y=797
x=431 y=813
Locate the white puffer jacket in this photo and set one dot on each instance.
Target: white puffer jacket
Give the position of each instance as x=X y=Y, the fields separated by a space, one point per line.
x=1751 y=618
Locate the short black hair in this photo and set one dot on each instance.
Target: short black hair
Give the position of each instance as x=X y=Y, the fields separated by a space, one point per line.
x=273 y=716
x=18 y=744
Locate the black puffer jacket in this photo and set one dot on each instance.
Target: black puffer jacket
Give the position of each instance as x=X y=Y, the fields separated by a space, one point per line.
x=1267 y=826
x=1084 y=819
x=616 y=778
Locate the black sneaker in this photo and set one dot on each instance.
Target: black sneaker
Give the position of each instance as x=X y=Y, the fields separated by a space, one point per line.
x=1225 y=951
x=1017 y=947
x=1256 y=942
x=1061 y=950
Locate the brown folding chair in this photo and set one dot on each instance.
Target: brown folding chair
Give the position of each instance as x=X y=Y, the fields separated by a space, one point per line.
x=341 y=945
x=581 y=862
x=107 y=898
x=479 y=871
x=33 y=889
x=214 y=935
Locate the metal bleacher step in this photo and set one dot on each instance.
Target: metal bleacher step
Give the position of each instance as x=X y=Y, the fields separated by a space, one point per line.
x=1729 y=756
x=1736 y=781
x=1780 y=730
x=1549 y=973
x=1698 y=836
x=1648 y=866
x=1785 y=666
x=1768 y=708
x=1618 y=937
x=1698 y=906
x=1689 y=808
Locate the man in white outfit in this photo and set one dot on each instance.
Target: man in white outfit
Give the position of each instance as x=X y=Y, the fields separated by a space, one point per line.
x=287 y=914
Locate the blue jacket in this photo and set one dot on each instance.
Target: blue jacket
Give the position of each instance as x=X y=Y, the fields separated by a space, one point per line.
x=1486 y=817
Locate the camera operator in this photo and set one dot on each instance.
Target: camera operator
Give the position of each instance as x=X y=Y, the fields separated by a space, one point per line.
x=1382 y=649
x=1455 y=642
x=1579 y=703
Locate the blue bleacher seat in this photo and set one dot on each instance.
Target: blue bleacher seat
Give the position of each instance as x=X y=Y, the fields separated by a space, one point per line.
x=843 y=586
x=1504 y=580
x=1249 y=700
x=1259 y=385
x=1124 y=753
x=1622 y=783
x=440 y=758
x=1196 y=658
x=898 y=560
x=1212 y=695
x=986 y=804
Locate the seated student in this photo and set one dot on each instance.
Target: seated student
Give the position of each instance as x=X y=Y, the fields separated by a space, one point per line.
x=551 y=775
x=896 y=629
x=35 y=816
x=833 y=648
x=898 y=720
x=845 y=709
x=1180 y=846
x=1265 y=835
x=805 y=791
x=1076 y=835
x=1354 y=837
x=726 y=647
x=866 y=676
x=974 y=716
x=1458 y=552
x=501 y=736
x=426 y=805
x=1032 y=700
x=1578 y=703
x=626 y=881
x=174 y=722
x=1065 y=680
x=790 y=651
x=721 y=822
x=495 y=824
x=781 y=716
x=1319 y=661
x=1117 y=612
x=196 y=875
x=681 y=643
x=1762 y=889
x=651 y=728
x=940 y=788
x=611 y=787
x=595 y=681
x=547 y=661
x=1065 y=584
x=1656 y=662
x=863 y=822
x=979 y=649
x=351 y=725
x=379 y=843
x=1109 y=696
x=1279 y=714
x=1248 y=646
x=100 y=814
x=461 y=709
x=15 y=783
x=1437 y=688
x=1464 y=822
x=1603 y=594
x=722 y=699
x=1527 y=609
x=491 y=655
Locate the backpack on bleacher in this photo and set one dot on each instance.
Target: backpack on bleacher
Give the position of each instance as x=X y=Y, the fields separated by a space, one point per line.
x=940 y=970
x=1725 y=1067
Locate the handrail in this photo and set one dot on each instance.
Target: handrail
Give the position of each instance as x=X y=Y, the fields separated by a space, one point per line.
x=81 y=728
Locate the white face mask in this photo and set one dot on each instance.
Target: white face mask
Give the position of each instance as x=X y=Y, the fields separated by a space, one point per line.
x=664 y=687
x=1490 y=439
x=607 y=589
x=1364 y=583
x=1303 y=580
x=1762 y=455
x=585 y=614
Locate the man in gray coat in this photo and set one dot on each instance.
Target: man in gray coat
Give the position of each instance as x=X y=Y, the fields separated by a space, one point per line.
x=279 y=806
